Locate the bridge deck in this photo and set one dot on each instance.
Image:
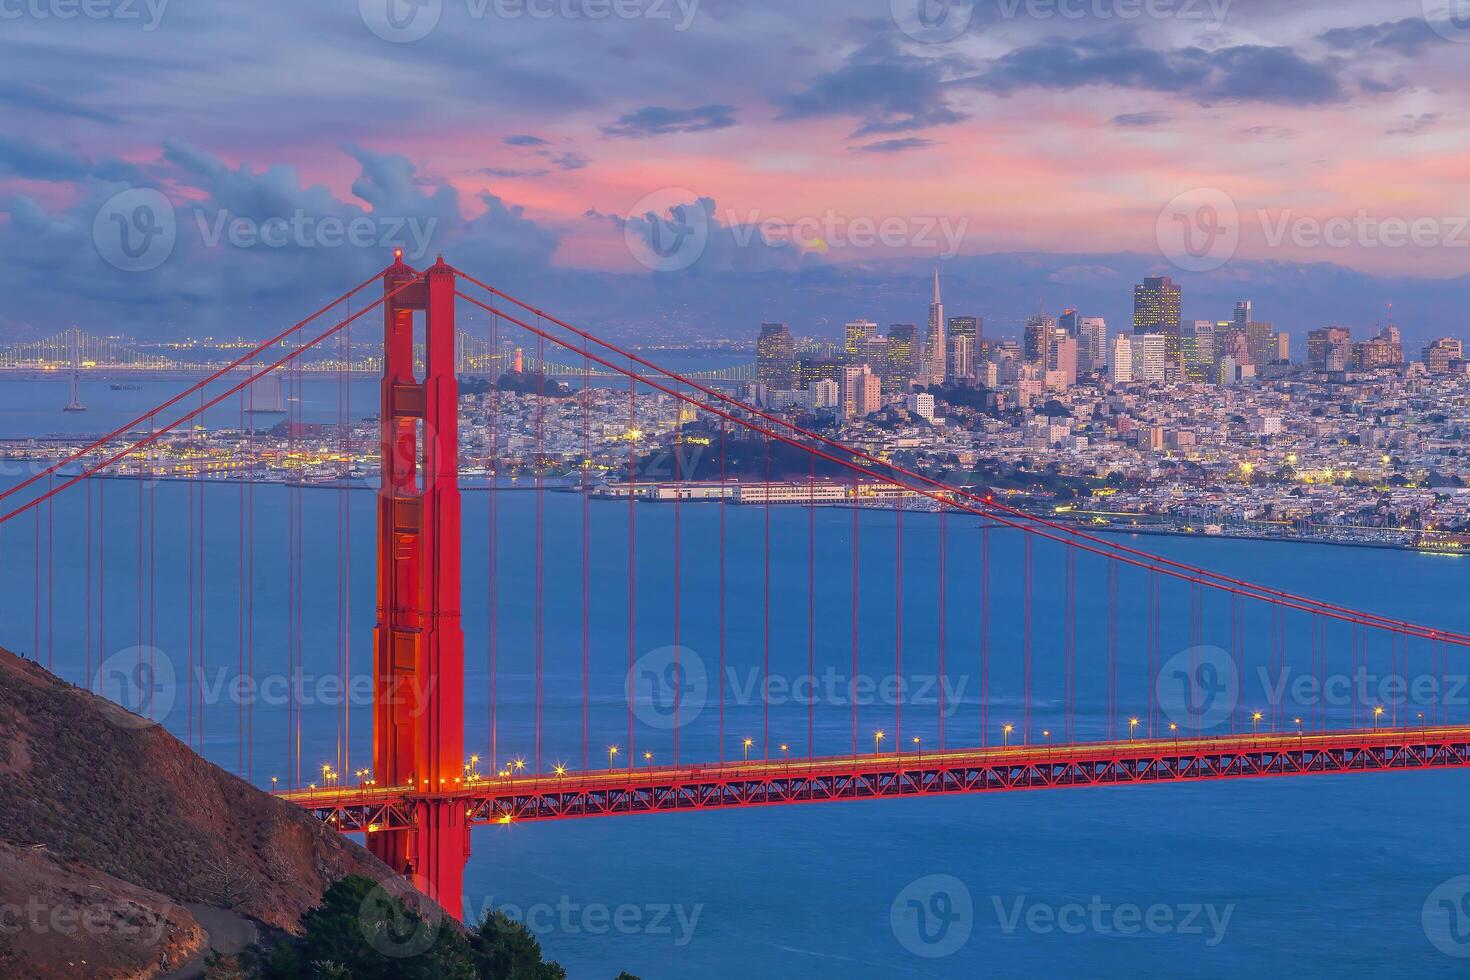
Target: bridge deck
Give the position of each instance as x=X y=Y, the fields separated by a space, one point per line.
x=871 y=776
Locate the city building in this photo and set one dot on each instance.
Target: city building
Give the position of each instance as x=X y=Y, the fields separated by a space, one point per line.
x=857 y=336
x=775 y=357
x=1156 y=310
x=1150 y=357
x=1092 y=343
x=904 y=354
x=1039 y=329
x=1120 y=365
x=936 y=349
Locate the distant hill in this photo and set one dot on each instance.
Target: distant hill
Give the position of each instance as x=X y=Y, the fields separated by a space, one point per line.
x=101 y=811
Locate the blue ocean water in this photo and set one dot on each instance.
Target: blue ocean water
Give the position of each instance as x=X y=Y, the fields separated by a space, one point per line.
x=1319 y=875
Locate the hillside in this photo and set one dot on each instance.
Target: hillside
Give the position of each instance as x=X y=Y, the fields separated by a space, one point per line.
x=95 y=802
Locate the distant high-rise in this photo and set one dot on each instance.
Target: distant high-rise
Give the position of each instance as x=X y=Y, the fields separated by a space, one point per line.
x=1242 y=312
x=1197 y=347
x=1441 y=355
x=1258 y=344
x=775 y=357
x=936 y=350
x=1092 y=343
x=856 y=337
x=1156 y=308
x=1039 y=329
x=1329 y=349
x=1061 y=360
x=1069 y=322
x=964 y=345
x=1120 y=359
x=904 y=355
x=1150 y=357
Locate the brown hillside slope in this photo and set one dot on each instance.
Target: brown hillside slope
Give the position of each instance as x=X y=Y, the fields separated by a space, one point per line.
x=98 y=786
x=62 y=919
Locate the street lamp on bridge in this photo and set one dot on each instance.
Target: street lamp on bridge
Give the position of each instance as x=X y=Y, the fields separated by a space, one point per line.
x=1005 y=734
x=878 y=738
x=612 y=754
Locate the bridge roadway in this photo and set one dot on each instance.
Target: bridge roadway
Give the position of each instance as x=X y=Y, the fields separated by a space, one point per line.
x=489 y=800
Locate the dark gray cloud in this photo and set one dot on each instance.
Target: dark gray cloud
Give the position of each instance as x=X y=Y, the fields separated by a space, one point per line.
x=35 y=160
x=1141 y=119
x=1243 y=73
x=895 y=145
x=657 y=120
x=525 y=139
x=888 y=90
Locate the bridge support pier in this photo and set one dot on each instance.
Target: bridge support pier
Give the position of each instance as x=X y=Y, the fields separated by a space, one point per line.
x=418 y=646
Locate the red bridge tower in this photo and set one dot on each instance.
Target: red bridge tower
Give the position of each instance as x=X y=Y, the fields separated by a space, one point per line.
x=418 y=647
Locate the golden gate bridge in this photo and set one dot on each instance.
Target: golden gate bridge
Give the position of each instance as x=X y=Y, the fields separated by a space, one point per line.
x=1068 y=632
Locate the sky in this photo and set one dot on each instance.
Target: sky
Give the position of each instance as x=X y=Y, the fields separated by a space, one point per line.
x=667 y=168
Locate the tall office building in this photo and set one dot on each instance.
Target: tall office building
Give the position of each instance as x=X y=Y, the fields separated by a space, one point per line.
x=1156 y=305
x=1197 y=348
x=1120 y=359
x=1069 y=322
x=1092 y=343
x=1329 y=349
x=904 y=355
x=1258 y=345
x=936 y=349
x=1242 y=312
x=856 y=336
x=964 y=344
x=1039 y=329
x=1061 y=360
x=775 y=357
x=1441 y=355
x=1150 y=357
x=861 y=391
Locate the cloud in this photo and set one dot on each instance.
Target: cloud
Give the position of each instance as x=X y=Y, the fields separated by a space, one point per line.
x=24 y=95
x=895 y=145
x=524 y=139
x=1243 y=73
x=34 y=160
x=56 y=270
x=1407 y=37
x=1141 y=119
x=729 y=247
x=660 y=121
x=888 y=90
x=1269 y=134
x=512 y=173
x=570 y=160
x=1414 y=125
